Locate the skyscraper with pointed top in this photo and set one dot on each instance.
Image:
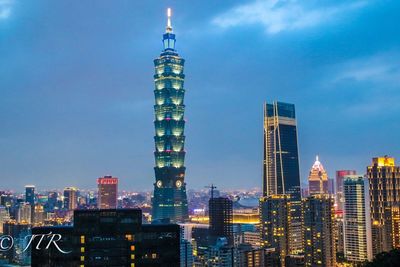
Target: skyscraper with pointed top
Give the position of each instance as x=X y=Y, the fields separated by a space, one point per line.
x=169 y=200
x=318 y=179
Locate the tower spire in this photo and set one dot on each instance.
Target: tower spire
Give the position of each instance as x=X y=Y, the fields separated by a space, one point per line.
x=169 y=26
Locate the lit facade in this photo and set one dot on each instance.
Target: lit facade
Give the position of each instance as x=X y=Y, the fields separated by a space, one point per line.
x=319 y=235
x=317 y=179
x=110 y=237
x=339 y=201
x=384 y=193
x=107 y=192
x=281 y=174
x=357 y=226
x=274 y=218
x=70 y=198
x=169 y=200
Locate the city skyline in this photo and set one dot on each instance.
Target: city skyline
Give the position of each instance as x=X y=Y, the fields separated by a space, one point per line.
x=74 y=111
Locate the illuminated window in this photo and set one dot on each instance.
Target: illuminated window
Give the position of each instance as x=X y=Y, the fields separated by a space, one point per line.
x=82 y=239
x=82 y=258
x=129 y=237
x=132 y=256
x=82 y=249
x=132 y=265
x=154 y=255
x=132 y=247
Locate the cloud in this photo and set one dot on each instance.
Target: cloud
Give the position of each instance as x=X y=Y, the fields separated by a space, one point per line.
x=383 y=68
x=5 y=8
x=284 y=15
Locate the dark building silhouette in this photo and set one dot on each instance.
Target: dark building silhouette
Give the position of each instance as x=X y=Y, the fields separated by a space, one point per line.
x=109 y=237
x=221 y=219
x=30 y=194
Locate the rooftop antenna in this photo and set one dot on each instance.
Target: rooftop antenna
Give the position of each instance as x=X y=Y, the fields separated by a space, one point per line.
x=169 y=26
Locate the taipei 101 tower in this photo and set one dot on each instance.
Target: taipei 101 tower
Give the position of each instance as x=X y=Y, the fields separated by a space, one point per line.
x=169 y=200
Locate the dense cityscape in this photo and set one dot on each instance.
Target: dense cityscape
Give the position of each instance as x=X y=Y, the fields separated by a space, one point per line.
x=346 y=220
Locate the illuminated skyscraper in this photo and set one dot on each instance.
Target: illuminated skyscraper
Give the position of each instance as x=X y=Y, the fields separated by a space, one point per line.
x=169 y=200
x=281 y=174
x=319 y=235
x=317 y=179
x=384 y=192
x=357 y=225
x=70 y=198
x=107 y=192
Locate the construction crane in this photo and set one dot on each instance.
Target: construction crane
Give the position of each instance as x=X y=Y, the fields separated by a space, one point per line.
x=211 y=187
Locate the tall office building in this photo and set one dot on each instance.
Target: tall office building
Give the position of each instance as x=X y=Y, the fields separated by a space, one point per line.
x=319 y=236
x=107 y=192
x=221 y=219
x=384 y=192
x=357 y=224
x=281 y=174
x=30 y=194
x=169 y=200
x=317 y=179
x=70 y=198
x=274 y=218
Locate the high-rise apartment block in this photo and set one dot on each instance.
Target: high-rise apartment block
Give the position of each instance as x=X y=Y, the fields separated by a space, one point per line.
x=357 y=224
x=384 y=192
x=319 y=234
x=275 y=220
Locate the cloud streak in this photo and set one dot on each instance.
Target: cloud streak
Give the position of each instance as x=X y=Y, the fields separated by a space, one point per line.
x=5 y=8
x=383 y=68
x=279 y=15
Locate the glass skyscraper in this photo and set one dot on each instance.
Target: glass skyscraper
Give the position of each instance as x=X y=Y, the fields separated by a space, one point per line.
x=281 y=173
x=169 y=200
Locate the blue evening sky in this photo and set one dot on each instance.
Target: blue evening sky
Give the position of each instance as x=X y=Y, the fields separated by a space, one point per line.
x=76 y=86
